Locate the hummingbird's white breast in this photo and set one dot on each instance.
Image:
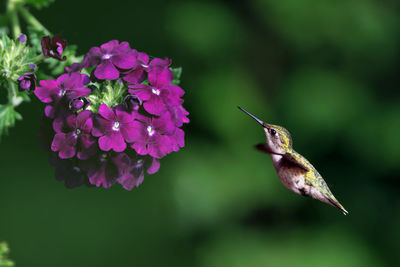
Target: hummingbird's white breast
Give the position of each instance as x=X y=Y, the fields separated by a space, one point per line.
x=291 y=177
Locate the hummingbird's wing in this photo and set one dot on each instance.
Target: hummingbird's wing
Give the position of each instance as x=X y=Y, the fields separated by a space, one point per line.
x=264 y=148
x=291 y=158
x=295 y=161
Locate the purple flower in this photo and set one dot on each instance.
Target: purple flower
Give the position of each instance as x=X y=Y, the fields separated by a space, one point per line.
x=158 y=64
x=69 y=86
x=108 y=168
x=73 y=137
x=27 y=82
x=114 y=127
x=110 y=56
x=54 y=47
x=179 y=115
x=160 y=93
x=69 y=170
x=152 y=135
x=177 y=139
x=137 y=73
x=91 y=148
x=75 y=67
x=135 y=174
x=22 y=38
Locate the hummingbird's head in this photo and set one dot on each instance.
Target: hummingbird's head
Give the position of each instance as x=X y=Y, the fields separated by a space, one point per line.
x=279 y=140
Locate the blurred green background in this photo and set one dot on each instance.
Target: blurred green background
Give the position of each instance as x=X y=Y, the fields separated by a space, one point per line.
x=328 y=71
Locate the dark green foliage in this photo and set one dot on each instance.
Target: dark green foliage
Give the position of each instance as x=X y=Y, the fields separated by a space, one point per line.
x=325 y=70
x=38 y=3
x=177 y=75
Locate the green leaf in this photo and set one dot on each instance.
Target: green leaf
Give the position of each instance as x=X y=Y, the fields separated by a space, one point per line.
x=4 y=261
x=38 y=3
x=25 y=96
x=34 y=38
x=177 y=75
x=8 y=116
x=3 y=21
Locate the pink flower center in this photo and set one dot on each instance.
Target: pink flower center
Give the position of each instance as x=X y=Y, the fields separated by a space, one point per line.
x=116 y=126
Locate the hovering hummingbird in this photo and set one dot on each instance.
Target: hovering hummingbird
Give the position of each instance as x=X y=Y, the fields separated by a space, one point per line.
x=295 y=171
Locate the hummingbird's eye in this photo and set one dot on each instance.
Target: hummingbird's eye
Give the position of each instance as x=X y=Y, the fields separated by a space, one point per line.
x=272 y=132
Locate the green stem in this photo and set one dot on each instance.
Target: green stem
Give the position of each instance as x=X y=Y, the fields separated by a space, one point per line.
x=30 y=19
x=12 y=12
x=13 y=99
x=38 y=58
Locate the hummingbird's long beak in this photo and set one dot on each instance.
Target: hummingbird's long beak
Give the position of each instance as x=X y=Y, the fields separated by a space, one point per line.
x=254 y=117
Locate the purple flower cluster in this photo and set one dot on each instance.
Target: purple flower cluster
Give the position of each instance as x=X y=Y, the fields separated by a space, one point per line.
x=113 y=116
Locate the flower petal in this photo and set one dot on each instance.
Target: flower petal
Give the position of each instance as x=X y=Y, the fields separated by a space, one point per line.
x=154 y=166
x=87 y=147
x=140 y=148
x=106 y=70
x=113 y=141
x=107 y=112
x=155 y=105
x=161 y=78
x=84 y=121
x=118 y=142
x=46 y=90
x=65 y=144
x=109 y=46
x=135 y=76
x=122 y=116
x=161 y=147
x=130 y=132
x=124 y=61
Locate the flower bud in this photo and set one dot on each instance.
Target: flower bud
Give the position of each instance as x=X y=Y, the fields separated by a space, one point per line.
x=22 y=38
x=27 y=82
x=132 y=102
x=54 y=47
x=78 y=103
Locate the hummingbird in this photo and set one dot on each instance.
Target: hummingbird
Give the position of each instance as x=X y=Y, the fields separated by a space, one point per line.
x=294 y=170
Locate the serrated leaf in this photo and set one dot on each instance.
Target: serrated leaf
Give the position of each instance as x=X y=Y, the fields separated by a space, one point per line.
x=177 y=75
x=38 y=3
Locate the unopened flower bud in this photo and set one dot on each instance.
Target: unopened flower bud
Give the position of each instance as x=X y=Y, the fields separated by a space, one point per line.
x=22 y=38
x=27 y=82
